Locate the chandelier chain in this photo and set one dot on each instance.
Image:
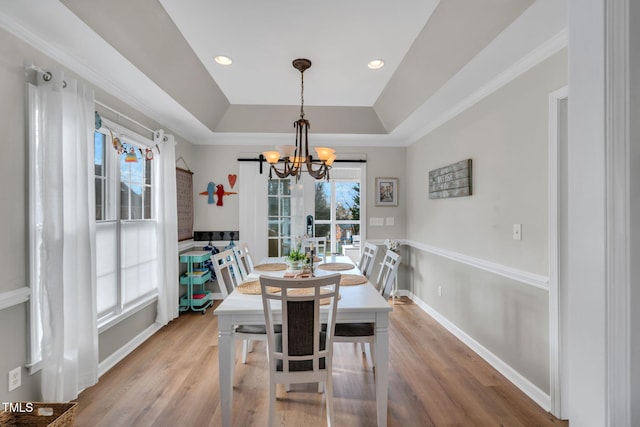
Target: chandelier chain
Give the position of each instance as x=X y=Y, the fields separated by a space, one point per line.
x=302 y=95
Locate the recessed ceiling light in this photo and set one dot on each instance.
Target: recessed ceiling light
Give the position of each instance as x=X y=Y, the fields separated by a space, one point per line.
x=375 y=64
x=223 y=60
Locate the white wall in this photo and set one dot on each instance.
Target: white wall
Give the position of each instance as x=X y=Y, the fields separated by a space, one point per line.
x=506 y=136
x=215 y=163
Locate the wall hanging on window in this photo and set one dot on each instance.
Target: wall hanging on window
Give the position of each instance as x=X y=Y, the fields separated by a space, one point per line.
x=219 y=192
x=453 y=180
x=98 y=121
x=129 y=151
x=131 y=156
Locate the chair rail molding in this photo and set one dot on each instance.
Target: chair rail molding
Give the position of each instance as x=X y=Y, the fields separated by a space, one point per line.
x=526 y=277
x=14 y=297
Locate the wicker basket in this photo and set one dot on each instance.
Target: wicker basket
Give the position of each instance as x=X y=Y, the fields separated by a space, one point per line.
x=40 y=414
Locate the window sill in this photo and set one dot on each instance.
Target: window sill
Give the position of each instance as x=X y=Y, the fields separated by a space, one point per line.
x=111 y=321
x=186 y=245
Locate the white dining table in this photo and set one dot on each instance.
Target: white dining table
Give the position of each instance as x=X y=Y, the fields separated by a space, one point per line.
x=359 y=303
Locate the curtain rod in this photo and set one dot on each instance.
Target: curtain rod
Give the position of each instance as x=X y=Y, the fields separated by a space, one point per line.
x=124 y=116
x=46 y=76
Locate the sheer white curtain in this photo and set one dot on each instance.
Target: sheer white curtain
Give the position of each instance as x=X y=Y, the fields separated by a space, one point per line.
x=168 y=289
x=62 y=122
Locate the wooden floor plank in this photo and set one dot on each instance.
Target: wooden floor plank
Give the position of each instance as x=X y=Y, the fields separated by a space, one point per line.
x=434 y=380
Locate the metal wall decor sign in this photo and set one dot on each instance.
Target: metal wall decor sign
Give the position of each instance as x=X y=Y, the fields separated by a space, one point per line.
x=453 y=180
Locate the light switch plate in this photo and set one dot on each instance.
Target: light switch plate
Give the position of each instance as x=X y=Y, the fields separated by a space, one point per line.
x=517 y=231
x=376 y=221
x=390 y=220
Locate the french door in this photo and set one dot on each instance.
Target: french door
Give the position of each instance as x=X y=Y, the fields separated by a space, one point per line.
x=273 y=213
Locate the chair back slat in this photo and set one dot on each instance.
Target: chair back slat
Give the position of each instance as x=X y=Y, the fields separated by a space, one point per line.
x=319 y=245
x=243 y=259
x=388 y=273
x=227 y=271
x=367 y=260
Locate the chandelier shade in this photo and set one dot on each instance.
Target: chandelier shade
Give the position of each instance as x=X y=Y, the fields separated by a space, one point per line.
x=297 y=157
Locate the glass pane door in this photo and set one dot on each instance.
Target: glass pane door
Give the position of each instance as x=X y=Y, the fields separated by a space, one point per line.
x=279 y=217
x=337 y=212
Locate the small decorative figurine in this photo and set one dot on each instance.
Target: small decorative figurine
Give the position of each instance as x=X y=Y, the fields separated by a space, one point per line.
x=232 y=179
x=220 y=193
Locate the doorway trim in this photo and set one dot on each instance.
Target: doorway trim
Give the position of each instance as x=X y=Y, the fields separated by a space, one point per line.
x=618 y=85
x=556 y=305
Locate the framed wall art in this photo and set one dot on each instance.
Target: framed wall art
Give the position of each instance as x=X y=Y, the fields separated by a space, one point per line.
x=453 y=180
x=386 y=192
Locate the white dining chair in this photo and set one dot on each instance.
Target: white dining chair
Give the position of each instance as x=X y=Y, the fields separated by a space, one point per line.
x=227 y=271
x=243 y=259
x=303 y=351
x=319 y=245
x=367 y=259
x=388 y=273
x=364 y=333
x=228 y=274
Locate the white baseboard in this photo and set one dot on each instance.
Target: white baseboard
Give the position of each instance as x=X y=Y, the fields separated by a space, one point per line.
x=526 y=386
x=126 y=349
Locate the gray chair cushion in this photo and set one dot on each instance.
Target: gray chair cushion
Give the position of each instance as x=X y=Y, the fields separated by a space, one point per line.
x=256 y=329
x=354 y=329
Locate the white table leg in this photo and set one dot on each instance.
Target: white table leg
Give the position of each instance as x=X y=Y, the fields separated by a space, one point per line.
x=382 y=366
x=226 y=364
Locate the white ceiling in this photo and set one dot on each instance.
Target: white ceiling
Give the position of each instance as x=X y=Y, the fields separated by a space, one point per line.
x=263 y=38
x=157 y=57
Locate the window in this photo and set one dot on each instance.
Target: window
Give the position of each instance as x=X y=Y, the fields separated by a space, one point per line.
x=126 y=241
x=99 y=145
x=135 y=186
x=279 y=217
x=337 y=212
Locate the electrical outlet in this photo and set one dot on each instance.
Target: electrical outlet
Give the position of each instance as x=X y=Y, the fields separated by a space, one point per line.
x=15 y=378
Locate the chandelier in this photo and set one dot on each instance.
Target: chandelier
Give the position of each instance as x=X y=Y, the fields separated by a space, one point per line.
x=294 y=157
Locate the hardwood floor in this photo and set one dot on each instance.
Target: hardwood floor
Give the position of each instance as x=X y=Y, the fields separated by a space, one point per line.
x=434 y=380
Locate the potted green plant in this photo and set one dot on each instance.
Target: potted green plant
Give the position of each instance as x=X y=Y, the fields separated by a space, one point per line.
x=296 y=259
